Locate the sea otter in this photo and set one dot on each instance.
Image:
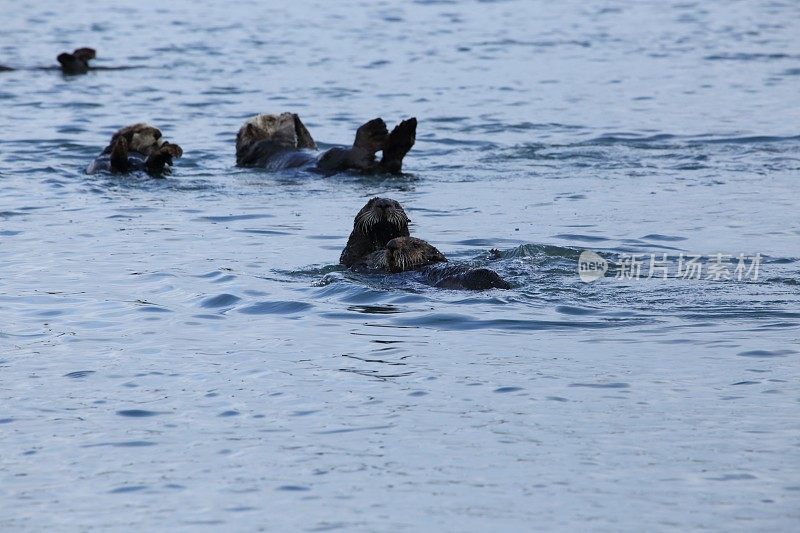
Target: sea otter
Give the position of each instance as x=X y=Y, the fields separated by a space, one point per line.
x=403 y=254
x=282 y=141
x=77 y=62
x=378 y=222
x=136 y=147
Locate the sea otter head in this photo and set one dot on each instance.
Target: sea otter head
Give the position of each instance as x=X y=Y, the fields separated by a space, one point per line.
x=410 y=253
x=142 y=138
x=285 y=130
x=382 y=218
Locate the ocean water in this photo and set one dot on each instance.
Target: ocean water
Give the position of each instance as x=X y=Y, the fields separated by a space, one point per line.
x=186 y=354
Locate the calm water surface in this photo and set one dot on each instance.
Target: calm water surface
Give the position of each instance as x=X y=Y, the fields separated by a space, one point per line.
x=186 y=354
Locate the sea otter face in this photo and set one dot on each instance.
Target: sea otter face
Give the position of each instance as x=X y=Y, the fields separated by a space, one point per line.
x=378 y=222
x=285 y=129
x=256 y=129
x=142 y=138
x=382 y=214
x=410 y=253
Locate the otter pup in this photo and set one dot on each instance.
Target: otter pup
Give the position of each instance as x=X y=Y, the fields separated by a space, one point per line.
x=136 y=147
x=77 y=62
x=400 y=255
x=404 y=254
x=378 y=222
x=282 y=141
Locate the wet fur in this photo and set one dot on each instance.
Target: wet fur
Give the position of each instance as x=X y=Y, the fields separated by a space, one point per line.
x=405 y=254
x=137 y=147
x=377 y=223
x=268 y=141
x=263 y=136
x=77 y=62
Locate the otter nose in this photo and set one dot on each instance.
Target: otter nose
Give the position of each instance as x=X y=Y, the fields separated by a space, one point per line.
x=157 y=134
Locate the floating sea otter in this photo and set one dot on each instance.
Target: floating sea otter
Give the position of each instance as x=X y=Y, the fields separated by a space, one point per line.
x=136 y=147
x=77 y=62
x=282 y=141
x=380 y=242
x=378 y=222
x=404 y=254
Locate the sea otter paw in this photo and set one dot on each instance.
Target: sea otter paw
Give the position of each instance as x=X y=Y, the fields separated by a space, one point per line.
x=119 y=155
x=173 y=150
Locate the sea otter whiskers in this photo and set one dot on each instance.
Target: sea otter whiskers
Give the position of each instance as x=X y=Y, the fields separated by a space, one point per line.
x=282 y=141
x=377 y=223
x=136 y=147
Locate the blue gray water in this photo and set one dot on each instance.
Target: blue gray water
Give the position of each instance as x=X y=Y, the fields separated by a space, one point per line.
x=186 y=352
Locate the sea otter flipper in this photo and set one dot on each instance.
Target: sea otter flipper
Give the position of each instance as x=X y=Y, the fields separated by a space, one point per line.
x=157 y=160
x=397 y=145
x=119 y=155
x=371 y=136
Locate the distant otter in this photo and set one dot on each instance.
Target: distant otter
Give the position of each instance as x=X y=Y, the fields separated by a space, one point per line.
x=282 y=141
x=77 y=62
x=378 y=222
x=73 y=63
x=403 y=254
x=136 y=147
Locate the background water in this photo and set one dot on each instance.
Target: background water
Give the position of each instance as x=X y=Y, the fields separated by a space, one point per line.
x=185 y=351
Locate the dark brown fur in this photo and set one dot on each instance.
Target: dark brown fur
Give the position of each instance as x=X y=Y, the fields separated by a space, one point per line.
x=77 y=62
x=269 y=140
x=137 y=147
x=378 y=222
x=404 y=254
